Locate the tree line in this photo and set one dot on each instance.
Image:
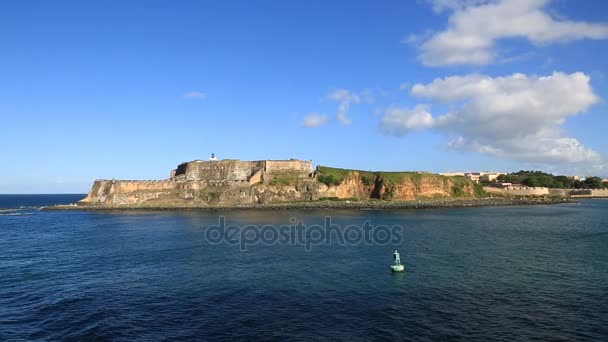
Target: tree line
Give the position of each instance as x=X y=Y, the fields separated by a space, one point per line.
x=542 y=179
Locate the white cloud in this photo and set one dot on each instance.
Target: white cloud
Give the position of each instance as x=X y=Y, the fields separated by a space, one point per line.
x=313 y=120
x=445 y=5
x=195 y=95
x=399 y=121
x=475 y=26
x=405 y=86
x=517 y=116
x=344 y=98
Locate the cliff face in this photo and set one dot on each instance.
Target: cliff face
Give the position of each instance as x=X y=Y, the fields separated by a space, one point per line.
x=353 y=186
x=356 y=185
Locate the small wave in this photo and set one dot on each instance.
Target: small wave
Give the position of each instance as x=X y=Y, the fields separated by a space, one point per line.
x=28 y=207
x=15 y=214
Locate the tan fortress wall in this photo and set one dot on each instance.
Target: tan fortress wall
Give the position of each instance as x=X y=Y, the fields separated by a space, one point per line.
x=518 y=191
x=288 y=165
x=106 y=191
x=220 y=171
x=599 y=193
x=560 y=192
x=237 y=170
x=590 y=193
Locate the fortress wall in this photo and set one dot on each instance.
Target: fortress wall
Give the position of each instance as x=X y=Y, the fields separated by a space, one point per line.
x=590 y=193
x=104 y=190
x=137 y=185
x=560 y=192
x=518 y=191
x=528 y=191
x=99 y=191
x=237 y=170
x=224 y=170
x=302 y=166
x=125 y=192
x=599 y=193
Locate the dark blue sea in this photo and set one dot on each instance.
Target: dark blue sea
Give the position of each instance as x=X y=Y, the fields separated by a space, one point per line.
x=480 y=274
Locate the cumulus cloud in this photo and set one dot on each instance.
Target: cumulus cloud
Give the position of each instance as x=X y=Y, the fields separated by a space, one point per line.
x=313 y=120
x=399 y=121
x=344 y=98
x=517 y=116
x=475 y=26
x=195 y=95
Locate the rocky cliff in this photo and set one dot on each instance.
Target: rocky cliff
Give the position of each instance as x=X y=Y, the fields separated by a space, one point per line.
x=397 y=186
x=280 y=188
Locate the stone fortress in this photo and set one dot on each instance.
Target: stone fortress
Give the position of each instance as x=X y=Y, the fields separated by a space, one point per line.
x=216 y=172
x=212 y=182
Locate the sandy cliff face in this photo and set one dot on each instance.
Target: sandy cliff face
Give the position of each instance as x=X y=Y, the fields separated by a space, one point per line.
x=426 y=186
x=353 y=186
x=356 y=186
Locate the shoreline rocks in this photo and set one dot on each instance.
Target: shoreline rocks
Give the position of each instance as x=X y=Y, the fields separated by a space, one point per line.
x=342 y=204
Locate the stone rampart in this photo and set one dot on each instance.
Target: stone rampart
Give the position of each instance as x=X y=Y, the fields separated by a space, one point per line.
x=215 y=171
x=238 y=171
x=518 y=191
x=589 y=193
x=277 y=166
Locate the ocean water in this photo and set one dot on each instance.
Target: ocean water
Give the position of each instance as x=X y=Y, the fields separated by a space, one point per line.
x=475 y=274
x=34 y=202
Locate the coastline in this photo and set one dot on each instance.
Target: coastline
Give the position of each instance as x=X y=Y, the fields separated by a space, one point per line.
x=331 y=205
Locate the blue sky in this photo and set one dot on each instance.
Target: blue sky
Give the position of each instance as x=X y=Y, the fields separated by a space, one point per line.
x=129 y=89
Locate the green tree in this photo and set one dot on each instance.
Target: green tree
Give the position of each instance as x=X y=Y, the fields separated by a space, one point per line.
x=531 y=181
x=593 y=183
x=563 y=182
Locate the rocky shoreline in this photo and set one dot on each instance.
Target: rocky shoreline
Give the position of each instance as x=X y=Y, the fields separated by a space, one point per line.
x=356 y=205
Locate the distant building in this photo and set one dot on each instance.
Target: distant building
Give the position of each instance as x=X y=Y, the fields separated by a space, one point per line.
x=489 y=176
x=452 y=174
x=473 y=176
x=486 y=176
